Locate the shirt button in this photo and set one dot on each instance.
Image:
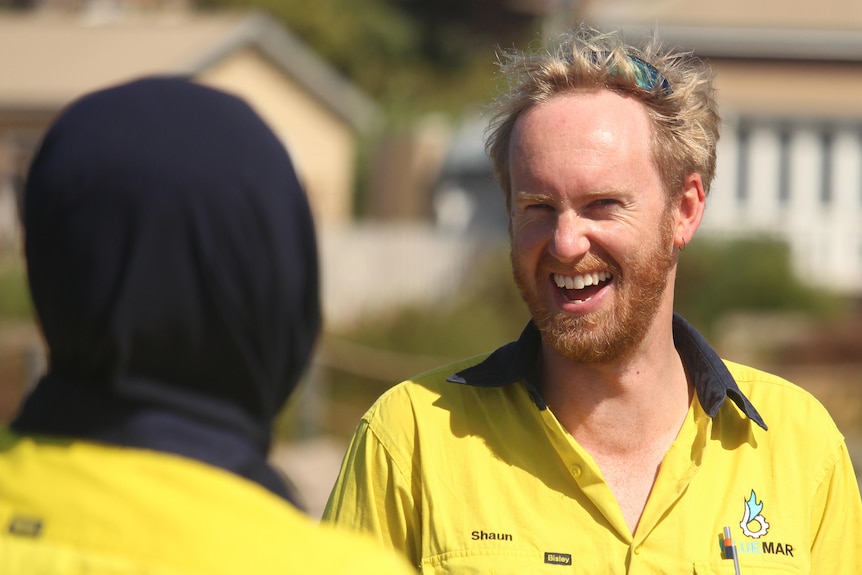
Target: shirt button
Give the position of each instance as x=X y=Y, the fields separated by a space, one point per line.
x=576 y=470
x=637 y=550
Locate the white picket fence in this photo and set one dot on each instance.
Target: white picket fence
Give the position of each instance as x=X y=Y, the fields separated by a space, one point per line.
x=796 y=181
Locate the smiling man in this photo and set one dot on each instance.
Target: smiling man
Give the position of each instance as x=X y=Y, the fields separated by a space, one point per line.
x=610 y=438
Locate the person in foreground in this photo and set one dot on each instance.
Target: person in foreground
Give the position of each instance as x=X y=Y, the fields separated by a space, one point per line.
x=173 y=266
x=609 y=438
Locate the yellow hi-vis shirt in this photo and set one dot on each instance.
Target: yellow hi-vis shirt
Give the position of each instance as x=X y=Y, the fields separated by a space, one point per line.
x=78 y=508
x=476 y=475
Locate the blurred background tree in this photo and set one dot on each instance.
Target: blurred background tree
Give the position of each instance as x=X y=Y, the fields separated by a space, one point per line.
x=716 y=278
x=14 y=298
x=412 y=56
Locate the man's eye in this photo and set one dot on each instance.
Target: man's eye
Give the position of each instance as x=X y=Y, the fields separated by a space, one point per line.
x=541 y=207
x=606 y=202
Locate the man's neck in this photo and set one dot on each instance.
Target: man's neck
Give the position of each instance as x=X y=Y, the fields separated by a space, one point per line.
x=610 y=404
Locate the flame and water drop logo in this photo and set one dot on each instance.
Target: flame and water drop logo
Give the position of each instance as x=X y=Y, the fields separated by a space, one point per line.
x=753 y=523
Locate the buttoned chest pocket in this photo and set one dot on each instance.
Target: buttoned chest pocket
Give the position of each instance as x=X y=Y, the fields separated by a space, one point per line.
x=725 y=567
x=511 y=562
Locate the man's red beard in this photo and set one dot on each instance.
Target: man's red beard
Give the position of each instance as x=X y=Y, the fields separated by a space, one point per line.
x=612 y=333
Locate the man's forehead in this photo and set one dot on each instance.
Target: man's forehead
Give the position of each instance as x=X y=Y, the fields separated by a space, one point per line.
x=603 y=115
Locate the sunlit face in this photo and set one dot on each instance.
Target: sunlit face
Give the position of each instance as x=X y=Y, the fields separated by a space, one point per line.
x=591 y=231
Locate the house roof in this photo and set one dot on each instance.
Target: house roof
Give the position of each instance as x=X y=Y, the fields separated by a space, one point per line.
x=48 y=59
x=826 y=30
x=819 y=14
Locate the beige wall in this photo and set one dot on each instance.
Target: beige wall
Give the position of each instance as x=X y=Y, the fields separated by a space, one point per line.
x=781 y=89
x=322 y=145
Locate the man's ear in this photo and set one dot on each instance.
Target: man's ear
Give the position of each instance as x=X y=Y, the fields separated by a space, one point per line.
x=689 y=210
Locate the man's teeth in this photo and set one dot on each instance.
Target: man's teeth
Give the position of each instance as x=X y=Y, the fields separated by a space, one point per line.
x=580 y=281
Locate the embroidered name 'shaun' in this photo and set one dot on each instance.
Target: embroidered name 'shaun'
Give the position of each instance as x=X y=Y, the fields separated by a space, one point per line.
x=485 y=535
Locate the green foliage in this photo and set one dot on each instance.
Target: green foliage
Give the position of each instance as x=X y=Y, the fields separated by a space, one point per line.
x=409 y=57
x=14 y=295
x=717 y=277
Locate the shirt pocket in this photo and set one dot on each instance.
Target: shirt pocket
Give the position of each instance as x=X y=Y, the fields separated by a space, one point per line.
x=498 y=562
x=725 y=567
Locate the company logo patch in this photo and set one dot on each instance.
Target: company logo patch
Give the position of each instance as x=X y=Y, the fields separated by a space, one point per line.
x=558 y=558
x=753 y=522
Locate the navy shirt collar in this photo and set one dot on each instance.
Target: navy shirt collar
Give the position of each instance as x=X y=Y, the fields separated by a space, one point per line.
x=519 y=361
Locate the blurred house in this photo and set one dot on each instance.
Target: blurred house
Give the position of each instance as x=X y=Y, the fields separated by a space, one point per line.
x=50 y=57
x=789 y=82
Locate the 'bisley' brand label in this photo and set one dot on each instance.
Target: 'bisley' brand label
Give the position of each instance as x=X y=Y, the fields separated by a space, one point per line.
x=558 y=558
x=25 y=526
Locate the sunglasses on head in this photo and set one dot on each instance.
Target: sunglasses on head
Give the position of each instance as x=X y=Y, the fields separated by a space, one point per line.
x=647 y=77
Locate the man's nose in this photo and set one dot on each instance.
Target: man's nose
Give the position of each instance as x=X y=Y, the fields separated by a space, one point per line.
x=570 y=241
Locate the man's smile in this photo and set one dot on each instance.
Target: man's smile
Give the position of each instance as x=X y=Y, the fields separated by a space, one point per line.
x=581 y=287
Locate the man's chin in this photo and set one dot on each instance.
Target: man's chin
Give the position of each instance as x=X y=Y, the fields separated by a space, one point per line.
x=583 y=350
x=592 y=338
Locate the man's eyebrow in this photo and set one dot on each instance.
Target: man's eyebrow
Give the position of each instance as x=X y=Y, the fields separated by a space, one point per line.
x=540 y=197
x=608 y=191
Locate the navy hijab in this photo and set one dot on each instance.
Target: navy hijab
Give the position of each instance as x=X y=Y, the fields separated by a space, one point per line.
x=173 y=266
